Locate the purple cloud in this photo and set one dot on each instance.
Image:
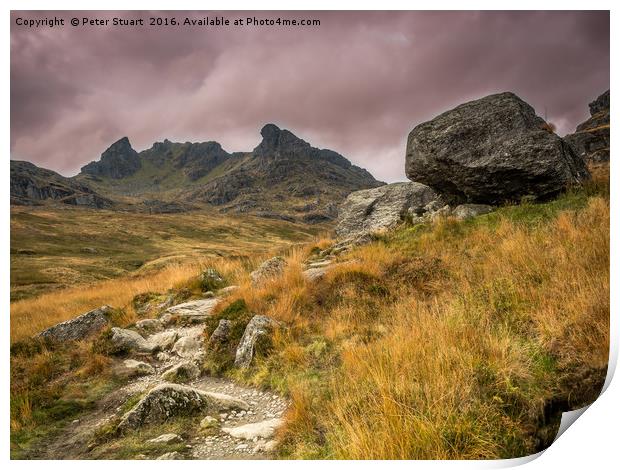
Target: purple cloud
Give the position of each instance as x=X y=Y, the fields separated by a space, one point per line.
x=357 y=84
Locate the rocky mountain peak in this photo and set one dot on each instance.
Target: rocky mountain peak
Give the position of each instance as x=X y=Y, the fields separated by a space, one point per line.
x=600 y=104
x=276 y=140
x=118 y=161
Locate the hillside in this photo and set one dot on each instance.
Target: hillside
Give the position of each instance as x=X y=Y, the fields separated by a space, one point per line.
x=283 y=177
x=30 y=185
x=57 y=247
x=444 y=340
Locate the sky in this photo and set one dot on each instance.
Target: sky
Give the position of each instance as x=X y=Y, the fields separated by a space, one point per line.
x=356 y=84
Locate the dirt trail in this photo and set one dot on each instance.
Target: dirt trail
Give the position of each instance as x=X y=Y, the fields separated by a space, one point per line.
x=74 y=439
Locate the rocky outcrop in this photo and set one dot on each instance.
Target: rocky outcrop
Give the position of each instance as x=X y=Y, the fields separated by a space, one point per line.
x=374 y=210
x=80 y=327
x=591 y=138
x=31 y=185
x=120 y=160
x=259 y=327
x=167 y=401
x=490 y=151
x=271 y=268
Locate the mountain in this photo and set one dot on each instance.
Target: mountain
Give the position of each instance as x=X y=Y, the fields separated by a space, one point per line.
x=31 y=185
x=283 y=177
x=591 y=138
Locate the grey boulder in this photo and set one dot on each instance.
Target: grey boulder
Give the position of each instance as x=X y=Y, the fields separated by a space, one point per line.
x=259 y=326
x=123 y=340
x=271 y=268
x=378 y=209
x=181 y=372
x=492 y=150
x=168 y=401
x=466 y=211
x=80 y=327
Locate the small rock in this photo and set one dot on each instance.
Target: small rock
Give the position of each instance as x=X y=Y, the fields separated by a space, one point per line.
x=227 y=290
x=163 y=356
x=170 y=456
x=163 y=340
x=264 y=429
x=149 y=325
x=123 y=340
x=466 y=211
x=166 y=439
x=182 y=372
x=268 y=269
x=208 y=422
x=137 y=368
x=186 y=346
x=220 y=335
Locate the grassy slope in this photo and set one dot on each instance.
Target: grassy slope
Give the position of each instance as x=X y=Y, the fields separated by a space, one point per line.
x=456 y=340
x=54 y=248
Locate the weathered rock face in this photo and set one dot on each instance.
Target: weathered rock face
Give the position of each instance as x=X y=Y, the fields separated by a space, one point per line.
x=169 y=400
x=591 y=139
x=30 y=185
x=268 y=269
x=377 y=209
x=259 y=326
x=80 y=327
x=491 y=150
x=118 y=161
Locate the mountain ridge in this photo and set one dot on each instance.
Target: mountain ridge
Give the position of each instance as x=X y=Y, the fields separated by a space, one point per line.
x=282 y=177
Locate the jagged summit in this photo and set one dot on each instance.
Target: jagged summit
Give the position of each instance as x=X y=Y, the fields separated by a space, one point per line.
x=118 y=161
x=283 y=177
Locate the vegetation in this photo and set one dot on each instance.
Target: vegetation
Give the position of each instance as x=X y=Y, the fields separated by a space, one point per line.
x=458 y=339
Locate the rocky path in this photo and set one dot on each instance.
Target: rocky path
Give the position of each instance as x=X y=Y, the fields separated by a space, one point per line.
x=159 y=353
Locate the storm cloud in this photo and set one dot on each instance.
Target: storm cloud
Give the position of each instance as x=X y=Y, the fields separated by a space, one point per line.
x=357 y=84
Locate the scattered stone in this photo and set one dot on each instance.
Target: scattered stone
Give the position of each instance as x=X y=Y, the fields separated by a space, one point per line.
x=314 y=274
x=466 y=211
x=264 y=429
x=194 y=311
x=123 y=340
x=265 y=446
x=208 y=422
x=182 y=372
x=208 y=295
x=169 y=438
x=271 y=268
x=137 y=368
x=491 y=150
x=259 y=326
x=80 y=327
x=170 y=456
x=211 y=279
x=166 y=319
x=149 y=325
x=221 y=334
x=224 y=291
x=169 y=400
x=163 y=356
x=164 y=340
x=187 y=346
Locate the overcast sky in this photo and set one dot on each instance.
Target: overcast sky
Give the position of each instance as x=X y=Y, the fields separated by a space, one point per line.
x=356 y=84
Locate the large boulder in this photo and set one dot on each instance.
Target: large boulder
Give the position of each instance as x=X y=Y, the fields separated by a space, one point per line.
x=80 y=327
x=490 y=151
x=377 y=209
x=181 y=372
x=252 y=431
x=591 y=138
x=168 y=401
x=259 y=327
x=194 y=311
